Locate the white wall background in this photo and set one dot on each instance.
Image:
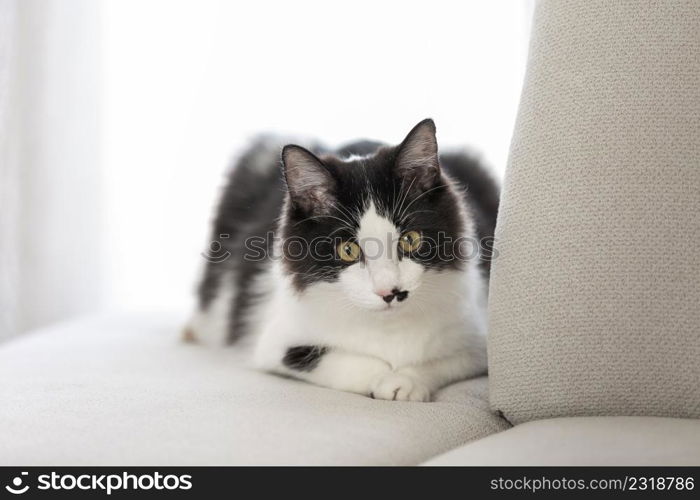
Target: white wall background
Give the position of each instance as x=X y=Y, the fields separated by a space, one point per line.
x=119 y=118
x=188 y=82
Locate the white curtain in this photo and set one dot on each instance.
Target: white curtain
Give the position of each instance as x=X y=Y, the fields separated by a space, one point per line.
x=8 y=174
x=49 y=175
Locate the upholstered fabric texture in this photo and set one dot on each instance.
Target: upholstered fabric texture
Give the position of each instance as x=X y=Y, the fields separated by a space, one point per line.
x=595 y=292
x=126 y=391
x=610 y=441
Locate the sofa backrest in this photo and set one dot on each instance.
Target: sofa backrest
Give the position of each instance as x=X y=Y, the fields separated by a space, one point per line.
x=595 y=292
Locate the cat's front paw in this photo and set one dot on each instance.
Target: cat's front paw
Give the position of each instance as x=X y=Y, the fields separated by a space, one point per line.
x=397 y=387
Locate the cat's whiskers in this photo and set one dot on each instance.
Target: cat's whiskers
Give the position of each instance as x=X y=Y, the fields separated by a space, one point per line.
x=314 y=272
x=404 y=197
x=313 y=217
x=353 y=218
x=420 y=196
x=433 y=291
x=343 y=228
x=407 y=216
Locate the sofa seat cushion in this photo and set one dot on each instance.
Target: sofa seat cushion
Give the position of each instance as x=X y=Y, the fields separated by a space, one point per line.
x=125 y=390
x=586 y=441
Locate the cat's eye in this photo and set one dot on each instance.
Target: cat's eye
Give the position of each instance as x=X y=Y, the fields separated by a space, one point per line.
x=349 y=251
x=410 y=241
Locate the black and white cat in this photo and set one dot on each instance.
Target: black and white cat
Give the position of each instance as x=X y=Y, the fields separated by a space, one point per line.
x=363 y=270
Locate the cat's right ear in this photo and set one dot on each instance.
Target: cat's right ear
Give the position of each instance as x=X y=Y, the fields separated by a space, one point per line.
x=418 y=156
x=311 y=186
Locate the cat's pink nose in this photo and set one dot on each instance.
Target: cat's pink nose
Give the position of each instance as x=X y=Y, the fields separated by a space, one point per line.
x=386 y=295
x=399 y=295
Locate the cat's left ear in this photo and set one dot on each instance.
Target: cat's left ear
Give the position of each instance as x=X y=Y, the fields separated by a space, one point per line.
x=310 y=185
x=417 y=158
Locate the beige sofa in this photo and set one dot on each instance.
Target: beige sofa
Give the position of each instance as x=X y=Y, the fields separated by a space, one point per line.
x=122 y=390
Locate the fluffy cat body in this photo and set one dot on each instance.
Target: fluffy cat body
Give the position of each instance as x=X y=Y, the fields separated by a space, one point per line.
x=385 y=294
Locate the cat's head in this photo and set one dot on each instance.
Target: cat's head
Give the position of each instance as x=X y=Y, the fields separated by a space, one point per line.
x=372 y=230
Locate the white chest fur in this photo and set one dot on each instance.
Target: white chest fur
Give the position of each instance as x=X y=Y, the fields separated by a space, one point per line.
x=441 y=318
